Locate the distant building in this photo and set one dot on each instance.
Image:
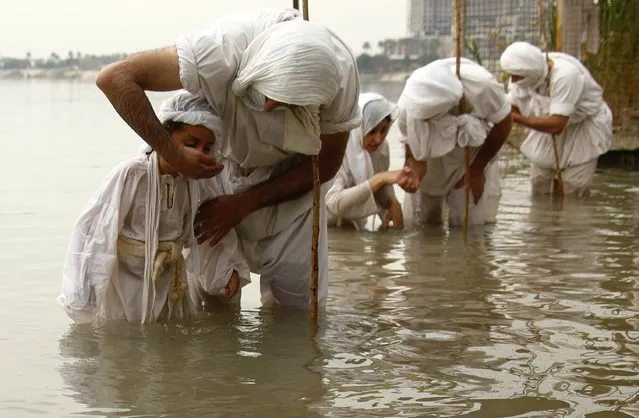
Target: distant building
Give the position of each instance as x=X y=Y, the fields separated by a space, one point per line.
x=493 y=24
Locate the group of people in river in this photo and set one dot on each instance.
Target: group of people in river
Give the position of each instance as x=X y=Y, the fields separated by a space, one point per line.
x=223 y=188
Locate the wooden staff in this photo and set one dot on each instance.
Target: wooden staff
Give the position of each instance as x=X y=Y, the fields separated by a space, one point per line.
x=542 y=31
x=316 y=211
x=462 y=106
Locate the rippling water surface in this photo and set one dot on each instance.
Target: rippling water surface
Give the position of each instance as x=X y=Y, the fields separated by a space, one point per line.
x=536 y=316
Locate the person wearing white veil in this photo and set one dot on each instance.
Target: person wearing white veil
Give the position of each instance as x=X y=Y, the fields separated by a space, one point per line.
x=435 y=133
x=574 y=112
x=364 y=185
x=125 y=259
x=286 y=89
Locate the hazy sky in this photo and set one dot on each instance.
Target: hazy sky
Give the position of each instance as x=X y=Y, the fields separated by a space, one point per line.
x=88 y=26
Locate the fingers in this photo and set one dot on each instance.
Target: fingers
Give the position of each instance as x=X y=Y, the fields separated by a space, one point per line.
x=232 y=287
x=203 y=211
x=477 y=194
x=208 y=171
x=387 y=219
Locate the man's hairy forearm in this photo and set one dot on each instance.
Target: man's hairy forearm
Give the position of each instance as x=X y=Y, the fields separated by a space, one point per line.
x=124 y=84
x=494 y=141
x=299 y=179
x=132 y=104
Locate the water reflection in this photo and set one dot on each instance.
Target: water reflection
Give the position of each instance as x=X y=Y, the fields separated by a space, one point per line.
x=227 y=364
x=534 y=316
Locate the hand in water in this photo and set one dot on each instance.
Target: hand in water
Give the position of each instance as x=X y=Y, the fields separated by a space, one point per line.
x=218 y=216
x=477 y=181
x=394 y=215
x=232 y=287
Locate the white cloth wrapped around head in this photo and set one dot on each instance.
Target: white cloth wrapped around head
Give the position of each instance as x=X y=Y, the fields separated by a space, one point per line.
x=375 y=108
x=357 y=160
x=425 y=121
x=294 y=63
x=525 y=60
x=192 y=110
x=431 y=91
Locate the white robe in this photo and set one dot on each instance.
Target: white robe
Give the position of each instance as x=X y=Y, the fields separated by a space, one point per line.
x=588 y=134
x=261 y=145
x=440 y=143
x=100 y=282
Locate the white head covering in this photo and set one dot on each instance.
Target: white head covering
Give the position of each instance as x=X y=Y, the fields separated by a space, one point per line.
x=357 y=160
x=292 y=62
x=192 y=110
x=525 y=60
x=432 y=92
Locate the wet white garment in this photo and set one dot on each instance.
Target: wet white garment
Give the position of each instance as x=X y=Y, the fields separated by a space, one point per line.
x=440 y=141
x=261 y=145
x=350 y=196
x=100 y=282
x=211 y=62
x=276 y=240
x=576 y=179
x=576 y=95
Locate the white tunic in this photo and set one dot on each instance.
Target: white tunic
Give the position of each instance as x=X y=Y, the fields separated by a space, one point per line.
x=486 y=101
x=576 y=95
x=261 y=145
x=100 y=282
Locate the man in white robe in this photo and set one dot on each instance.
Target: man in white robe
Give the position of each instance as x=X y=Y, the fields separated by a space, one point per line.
x=435 y=133
x=285 y=89
x=574 y=112
x=363 y=186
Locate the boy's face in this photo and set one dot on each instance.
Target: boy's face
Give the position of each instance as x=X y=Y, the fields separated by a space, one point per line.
x=195 y=136
x=192 y=136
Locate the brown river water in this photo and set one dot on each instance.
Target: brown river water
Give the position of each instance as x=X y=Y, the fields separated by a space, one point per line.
x=535 y=316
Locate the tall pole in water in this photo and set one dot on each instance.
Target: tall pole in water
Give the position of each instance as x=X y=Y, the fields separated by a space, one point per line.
x=542 y=32
x=459 y=5
x=316 y=212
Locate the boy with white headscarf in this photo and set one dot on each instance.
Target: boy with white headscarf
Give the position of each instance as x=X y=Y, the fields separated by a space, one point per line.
x=575 y=113
x=125 y=258
x=435 y=133
x=285 y=89
x=364 y=185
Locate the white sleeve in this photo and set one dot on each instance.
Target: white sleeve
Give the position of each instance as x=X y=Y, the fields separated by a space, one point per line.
x=343 y=114
x=218 y=263
x=565 y=91
x=92 y=252
x=351 y=202
x=209 y=58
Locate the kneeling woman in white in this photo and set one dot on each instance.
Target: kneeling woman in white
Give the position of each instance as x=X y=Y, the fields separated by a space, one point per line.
x=125 y=258
x=363 y=185
x=435 y=133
